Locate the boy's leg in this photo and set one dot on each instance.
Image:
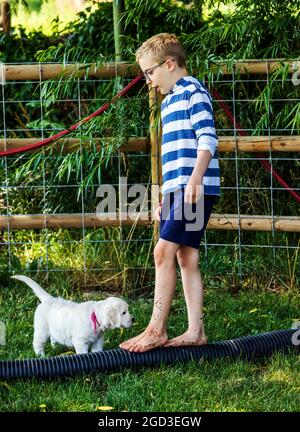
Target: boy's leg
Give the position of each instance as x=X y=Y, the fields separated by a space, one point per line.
x=188 y=259
x=155 y=334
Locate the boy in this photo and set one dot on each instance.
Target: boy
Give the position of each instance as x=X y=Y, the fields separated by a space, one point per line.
x=190 y=174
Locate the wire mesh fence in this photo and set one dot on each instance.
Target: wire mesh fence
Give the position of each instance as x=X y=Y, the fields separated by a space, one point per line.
x=62 y=179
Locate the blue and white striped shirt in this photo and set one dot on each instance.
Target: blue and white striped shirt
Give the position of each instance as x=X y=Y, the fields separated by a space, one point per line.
x=187 y=127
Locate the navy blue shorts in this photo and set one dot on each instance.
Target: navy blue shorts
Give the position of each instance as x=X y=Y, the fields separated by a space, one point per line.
x=184 y=223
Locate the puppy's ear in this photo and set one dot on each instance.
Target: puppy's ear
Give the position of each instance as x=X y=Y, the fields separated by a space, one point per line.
x=115 y=317
x=112 y=318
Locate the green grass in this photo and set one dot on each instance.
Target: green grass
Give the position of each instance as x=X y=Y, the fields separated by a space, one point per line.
x=271 y=384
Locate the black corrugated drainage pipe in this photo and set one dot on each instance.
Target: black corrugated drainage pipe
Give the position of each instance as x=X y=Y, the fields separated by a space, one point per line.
x=248 y=347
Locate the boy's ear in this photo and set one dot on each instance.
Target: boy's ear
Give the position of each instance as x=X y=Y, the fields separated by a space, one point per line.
x=171 y=64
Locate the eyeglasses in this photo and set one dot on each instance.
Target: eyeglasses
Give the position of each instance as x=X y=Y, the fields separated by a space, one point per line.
x=149 y=71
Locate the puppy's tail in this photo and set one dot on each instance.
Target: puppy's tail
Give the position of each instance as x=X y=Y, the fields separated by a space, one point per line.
x=38 y=291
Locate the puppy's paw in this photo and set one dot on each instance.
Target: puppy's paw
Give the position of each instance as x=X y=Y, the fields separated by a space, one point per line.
x=96 y=350
x=39 y=352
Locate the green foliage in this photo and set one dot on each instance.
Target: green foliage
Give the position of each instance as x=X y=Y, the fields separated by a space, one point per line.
x=212 y=34
x=253 y=30
x=18 y=46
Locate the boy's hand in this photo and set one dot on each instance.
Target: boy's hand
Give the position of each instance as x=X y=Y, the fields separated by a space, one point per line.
x=193 y=192
x=157 y=213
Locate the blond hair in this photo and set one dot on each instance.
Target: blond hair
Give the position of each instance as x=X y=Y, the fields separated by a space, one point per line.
x=161 y=46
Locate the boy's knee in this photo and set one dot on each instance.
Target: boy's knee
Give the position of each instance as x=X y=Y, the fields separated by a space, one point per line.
x=187 y=260
x=182 y=259
x=158 y=255
x=161 y=255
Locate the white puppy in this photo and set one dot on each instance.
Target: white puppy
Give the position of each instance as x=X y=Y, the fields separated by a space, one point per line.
x=78 y=325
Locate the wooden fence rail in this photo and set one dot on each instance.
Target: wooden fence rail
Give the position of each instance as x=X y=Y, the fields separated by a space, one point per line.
x=251 y=144
x=46 y=71
x=91 y=220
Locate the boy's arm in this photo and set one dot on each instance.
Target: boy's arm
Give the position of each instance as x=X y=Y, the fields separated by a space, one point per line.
x=194 y=188
x=202 y=121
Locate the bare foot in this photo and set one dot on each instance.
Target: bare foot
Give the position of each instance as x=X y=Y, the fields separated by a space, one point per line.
x=128 y=343
x=150 y=339
x=187 y=339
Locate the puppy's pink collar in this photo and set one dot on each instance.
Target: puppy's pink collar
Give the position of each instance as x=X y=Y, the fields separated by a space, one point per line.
x=95 y=322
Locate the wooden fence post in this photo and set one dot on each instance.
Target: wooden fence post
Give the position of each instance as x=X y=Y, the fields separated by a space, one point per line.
x=155 y=99
x=5 y=12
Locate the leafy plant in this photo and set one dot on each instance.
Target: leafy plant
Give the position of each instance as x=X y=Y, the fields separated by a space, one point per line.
x=213 y=33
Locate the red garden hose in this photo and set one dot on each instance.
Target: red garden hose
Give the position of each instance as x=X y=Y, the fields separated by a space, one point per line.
x=240 y=130
x=49 y=140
